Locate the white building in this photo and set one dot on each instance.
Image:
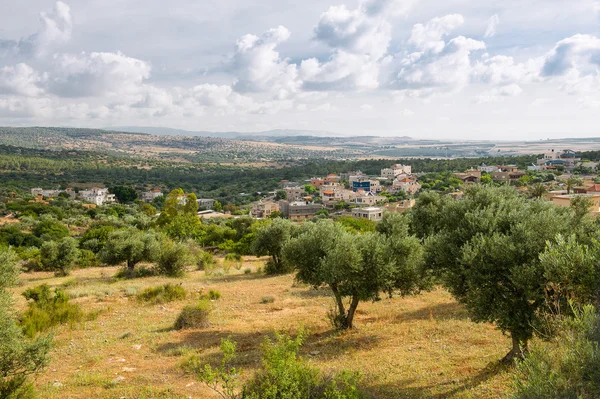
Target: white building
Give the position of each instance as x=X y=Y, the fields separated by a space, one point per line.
x=206 y=203
x=395 y=170
x=371 y=213
x=97 y=196
x=487 y=169
x=44 y=193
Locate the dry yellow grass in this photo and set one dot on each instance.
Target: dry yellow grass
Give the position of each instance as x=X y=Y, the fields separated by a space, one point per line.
x=415 y=347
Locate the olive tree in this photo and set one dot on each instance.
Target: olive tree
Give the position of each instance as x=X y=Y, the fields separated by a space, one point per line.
x=19 y=357
x=129 y=246
x=270 y=239
x=59 y=256
x=355 y=266
x=487 y=251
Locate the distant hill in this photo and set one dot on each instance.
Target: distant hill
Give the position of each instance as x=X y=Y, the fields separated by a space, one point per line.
x=165 y=131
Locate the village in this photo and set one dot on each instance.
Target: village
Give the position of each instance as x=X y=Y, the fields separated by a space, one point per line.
x=356 y=194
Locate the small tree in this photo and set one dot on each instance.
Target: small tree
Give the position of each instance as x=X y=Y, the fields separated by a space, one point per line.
x=172 y=258
x=280 y=195
x=59 y=256
x=356 y=266
x=130 y=246
x=270 y=239
x=19 y=357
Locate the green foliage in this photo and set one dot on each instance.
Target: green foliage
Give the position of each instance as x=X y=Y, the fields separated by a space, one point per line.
x=124 y=194
x=441 y=181
x=284 y=374
x=49 y=228
x=19 y=357
x=270 y=239
x=11 y=235
x=130 y=246
x=232 y=260
x=87 y=259
x=47 y=309
x=567 y=366
x=205 y=260
x=358 y=266
x=162 y=294
x=280 y=195
x=267 y=299
x=194 y=316
x=59 y=256
x=214 y=295
x=172 y=258
x=355 y=225
x=486 y=248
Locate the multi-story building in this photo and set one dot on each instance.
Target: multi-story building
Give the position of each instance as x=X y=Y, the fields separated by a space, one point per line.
x=149 y=196
x=487 y=169
x=264 y=209
x=207 y=203
x=97 y=196
x=367 y=198
x=469 y=177
x=332 y=194
x=35 y=192
x=295 y=193
x=408 y=185
x=395 y=170
x=299 y=210
x=371 y=213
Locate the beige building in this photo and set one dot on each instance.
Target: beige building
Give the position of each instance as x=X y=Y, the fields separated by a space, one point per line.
x=264 y=209
x=371 y=213
x=295 y=193
x=565 y=200
x=299 y=210
x=401 y=206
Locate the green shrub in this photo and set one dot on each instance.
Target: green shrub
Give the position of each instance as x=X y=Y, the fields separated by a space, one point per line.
x=162 y=294
x=247 y=270
x=568 y=365
x=267 y=299
x=205 y=260
x=47 y=309
x=214 y=295
x=232 y=260
x=283 y=375
x=172 y=259
x=87 y=259
x=194 y=316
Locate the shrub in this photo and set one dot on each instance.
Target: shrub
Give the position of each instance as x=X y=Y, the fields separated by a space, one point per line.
x=87 y=259
x=247 y=270
x=162 y=294
x=267 y=299
x=59 y=256
x=567 y=366
x=232 y=260
x=214 y=295
x=205 y=260
x=172 y=258
x=283 y=375
x=194 y=316
x=48 y=309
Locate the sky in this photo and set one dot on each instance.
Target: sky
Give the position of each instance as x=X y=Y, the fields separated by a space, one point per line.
x=451 y=69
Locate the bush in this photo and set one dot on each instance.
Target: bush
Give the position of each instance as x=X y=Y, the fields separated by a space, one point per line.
x=194 y=316
x=205 y=260
x=87 y=259
x=247 y=270
x=48 y=309
x=59 y=256
x=283 y=375
x=267 y=299
x=567 y=366
x=172 y=259
x=232 y=260
x=214 y=295
x=162 y=294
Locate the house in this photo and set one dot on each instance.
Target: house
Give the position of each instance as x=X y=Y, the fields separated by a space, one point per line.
x=552 y=159
x=264 y=209
x=317 y=182
x=395 y=170
x=285 y=184
x=407 y=184
x=35 y=192
x=97 y=196
x=295 y=193
x=207 y=203
x=332 y=178
x=299 y=210
x=210 y=214
x=487 y=169
x=332 y=194
x=469 y=177
x=371 y=213
x=507 y=177
x=149 y=196
x=367 y=198
x=565 y=200
x=595 y=188
x=361 y=183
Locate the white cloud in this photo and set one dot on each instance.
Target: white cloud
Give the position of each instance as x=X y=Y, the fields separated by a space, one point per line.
x=21 y=79
x=55 y=30
x=428 y=37
x=15 y=107
x=97 y=74
x=343 y=71
x=259 y=68
x=498 y=93
x=493 y=23
x=366 y=107
x=502 y=70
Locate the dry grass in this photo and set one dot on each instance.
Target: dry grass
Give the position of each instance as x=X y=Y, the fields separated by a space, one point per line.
x=417 y=347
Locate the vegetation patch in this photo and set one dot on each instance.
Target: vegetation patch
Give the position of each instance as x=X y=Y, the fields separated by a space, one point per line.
x=162 y=294
x=194 y=316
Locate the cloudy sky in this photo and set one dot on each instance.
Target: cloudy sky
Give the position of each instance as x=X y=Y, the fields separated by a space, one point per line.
x=503 y=69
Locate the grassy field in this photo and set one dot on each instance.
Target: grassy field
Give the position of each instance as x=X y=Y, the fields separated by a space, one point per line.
x=415 y=347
